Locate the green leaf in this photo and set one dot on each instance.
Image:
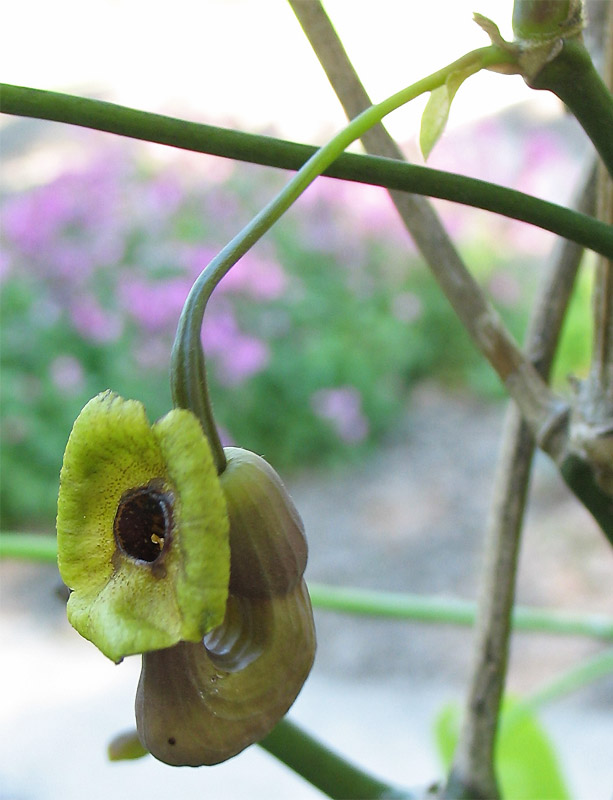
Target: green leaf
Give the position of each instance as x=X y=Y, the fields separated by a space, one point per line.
x=126 y=747
x=447 y=732
x=436 y=112
x=526 y=761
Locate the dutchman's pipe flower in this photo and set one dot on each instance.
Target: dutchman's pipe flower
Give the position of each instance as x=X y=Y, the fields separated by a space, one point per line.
x=201 y=573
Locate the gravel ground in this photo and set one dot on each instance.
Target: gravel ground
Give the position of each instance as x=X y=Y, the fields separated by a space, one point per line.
x=411 y=519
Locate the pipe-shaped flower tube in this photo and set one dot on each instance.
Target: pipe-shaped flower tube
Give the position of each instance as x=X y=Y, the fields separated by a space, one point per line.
x=267 y=542
x=203 y=703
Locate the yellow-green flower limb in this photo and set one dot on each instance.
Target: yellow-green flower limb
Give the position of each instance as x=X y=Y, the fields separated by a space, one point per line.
x=188 y=375
x=142 y=529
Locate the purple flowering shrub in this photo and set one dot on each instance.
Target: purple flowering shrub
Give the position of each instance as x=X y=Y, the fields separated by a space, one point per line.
x=312 y=340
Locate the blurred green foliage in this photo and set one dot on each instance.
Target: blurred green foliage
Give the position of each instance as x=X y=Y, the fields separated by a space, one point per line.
x=526 y=763
x=313 y=340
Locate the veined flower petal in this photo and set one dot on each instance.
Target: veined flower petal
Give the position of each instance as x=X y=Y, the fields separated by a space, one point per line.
x=142 y=529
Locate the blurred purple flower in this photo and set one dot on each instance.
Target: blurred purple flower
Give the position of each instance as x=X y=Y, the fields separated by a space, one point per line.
x=324 y=225
x=262 y=278
x=541 y=168
x=5 y=266
x=219 y=329
x=371 y=212
x=108 y=246
x=342 y=408
x=505 y=288
x=31 y=220
x=162 y=195
x=67 y=374
x=67 y=261
x=221 y=206
x=155 y=306
x=195 y=258
x=238 y=355
x=73 y=207
x=93 y=322
x=247 y=357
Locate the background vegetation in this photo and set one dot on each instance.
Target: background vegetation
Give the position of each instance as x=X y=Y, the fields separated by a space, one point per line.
x=313 y=341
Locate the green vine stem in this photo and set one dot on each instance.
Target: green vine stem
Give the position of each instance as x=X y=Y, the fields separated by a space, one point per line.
x=426 y=608
x=29 y=547
x=575 y=678
x=268 y=151
x=573 y=77
x=324 y=769
x=439 y=253
x=187 y=369
x=41 y=548
x=597 y=395
x=127 y=746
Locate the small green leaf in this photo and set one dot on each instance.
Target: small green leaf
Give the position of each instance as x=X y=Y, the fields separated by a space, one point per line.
x=529 y=766
x=447 y=732
x=436 y=112
x=526 y=761
x=126 y=747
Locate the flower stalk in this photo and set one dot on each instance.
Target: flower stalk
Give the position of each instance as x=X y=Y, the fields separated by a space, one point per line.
x=187 y=371
x=42 y=549
x=268 y=151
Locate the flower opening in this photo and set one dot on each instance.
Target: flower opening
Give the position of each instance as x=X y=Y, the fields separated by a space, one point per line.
x=143 y=523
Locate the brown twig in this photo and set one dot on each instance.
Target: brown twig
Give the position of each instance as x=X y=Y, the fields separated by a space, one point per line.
x=544 y=412
x=473 y=771
x=600 y=383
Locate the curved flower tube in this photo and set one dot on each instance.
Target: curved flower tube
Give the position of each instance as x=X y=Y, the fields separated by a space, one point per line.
x=200 y=704
x=142 y=529
x=203 y=703
x=202 y=574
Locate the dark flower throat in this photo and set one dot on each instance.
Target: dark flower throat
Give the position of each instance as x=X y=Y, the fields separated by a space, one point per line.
x=143 y=523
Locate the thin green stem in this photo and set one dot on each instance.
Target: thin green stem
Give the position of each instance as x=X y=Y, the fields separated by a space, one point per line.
x=579 y=476
x=268 y=151
x=29 y=547
x=324 y=768
x=42 y=548
x=187 y=369
x=575 y=678
x=427 y=608
x=573 y=77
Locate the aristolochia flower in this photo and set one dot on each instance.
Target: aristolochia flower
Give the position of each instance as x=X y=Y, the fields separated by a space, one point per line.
x=202 y=703
x=202 y=574
x=143 y=531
